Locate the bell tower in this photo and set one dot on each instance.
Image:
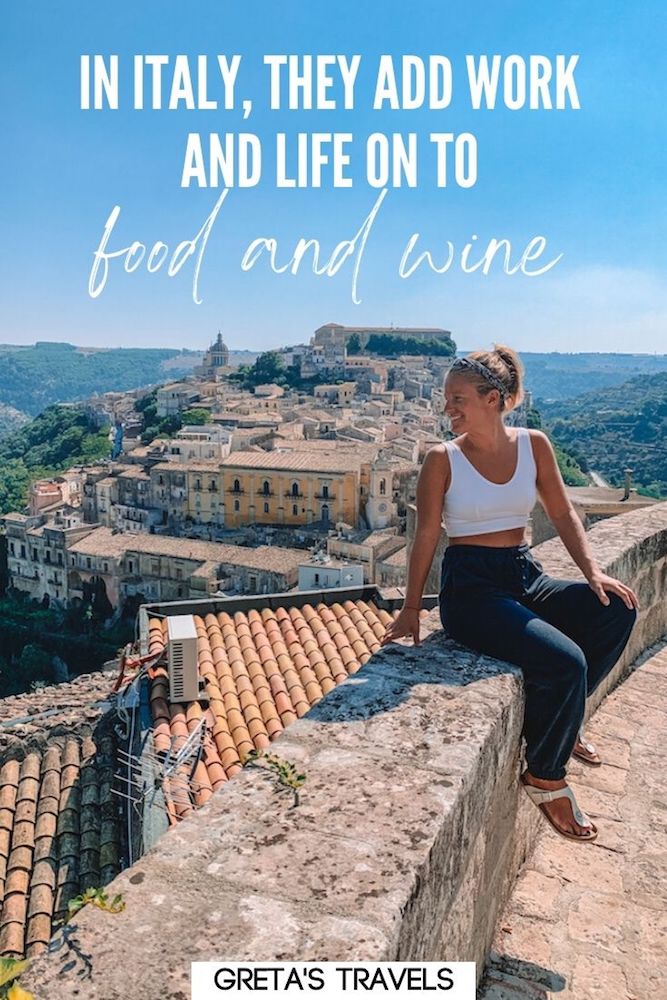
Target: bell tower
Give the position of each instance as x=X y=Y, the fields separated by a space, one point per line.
x=381 y=510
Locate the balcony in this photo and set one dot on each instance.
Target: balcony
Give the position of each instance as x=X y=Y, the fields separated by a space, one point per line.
x=294 y=496
x=324 y=496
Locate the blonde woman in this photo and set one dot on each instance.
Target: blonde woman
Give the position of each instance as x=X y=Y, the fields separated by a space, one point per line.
x=495 y=597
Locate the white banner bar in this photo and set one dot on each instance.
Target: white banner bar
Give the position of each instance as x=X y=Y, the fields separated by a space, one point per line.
x=333 y=980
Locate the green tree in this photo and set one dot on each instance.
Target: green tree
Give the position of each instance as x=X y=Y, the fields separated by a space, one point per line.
x=268 y=367
x=14 y=483
x=353 y=344
x=196 y=416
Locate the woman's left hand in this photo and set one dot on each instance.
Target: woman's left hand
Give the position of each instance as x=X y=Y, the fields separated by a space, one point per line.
x=600 y=584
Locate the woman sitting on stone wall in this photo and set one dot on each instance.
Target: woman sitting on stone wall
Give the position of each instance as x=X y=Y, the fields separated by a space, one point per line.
x=495 y=598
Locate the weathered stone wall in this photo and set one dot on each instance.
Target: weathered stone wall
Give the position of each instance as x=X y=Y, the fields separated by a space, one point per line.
x=406 y=841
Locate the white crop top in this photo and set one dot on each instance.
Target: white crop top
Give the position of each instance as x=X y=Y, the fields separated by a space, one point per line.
x=476 y=506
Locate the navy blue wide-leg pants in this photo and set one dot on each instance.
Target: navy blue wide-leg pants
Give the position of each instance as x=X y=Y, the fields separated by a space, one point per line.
x=499 y=601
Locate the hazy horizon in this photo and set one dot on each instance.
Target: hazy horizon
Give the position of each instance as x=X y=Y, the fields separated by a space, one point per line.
x=277 y=347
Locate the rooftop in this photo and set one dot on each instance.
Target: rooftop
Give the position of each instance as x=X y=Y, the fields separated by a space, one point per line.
x=263 y=669
x=309 y=460
x=59 y=822
x=103 y=542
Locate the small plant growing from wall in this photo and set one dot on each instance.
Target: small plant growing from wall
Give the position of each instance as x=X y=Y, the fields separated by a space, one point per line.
x=284 y=772
x=10 y=970
x=95 y=897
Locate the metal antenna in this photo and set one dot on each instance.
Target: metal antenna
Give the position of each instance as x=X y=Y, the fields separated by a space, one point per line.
x=175 y=766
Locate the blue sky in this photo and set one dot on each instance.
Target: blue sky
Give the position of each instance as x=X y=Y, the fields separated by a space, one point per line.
x=592 y=181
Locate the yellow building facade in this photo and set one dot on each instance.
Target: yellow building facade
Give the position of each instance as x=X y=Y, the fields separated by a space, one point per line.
x=275 y=488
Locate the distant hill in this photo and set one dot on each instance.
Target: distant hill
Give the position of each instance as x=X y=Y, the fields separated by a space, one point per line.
x=615 y=428
x=564 y=376
x=31 y=378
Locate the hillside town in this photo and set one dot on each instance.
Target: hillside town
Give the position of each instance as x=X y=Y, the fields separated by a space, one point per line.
x=277 y=490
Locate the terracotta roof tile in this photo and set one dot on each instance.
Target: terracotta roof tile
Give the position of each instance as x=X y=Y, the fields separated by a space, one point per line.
x=59 y=835
x=262 y=670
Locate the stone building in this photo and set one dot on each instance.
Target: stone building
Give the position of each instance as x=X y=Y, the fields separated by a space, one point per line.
x=292 y=488
x=37 y=551
x=215 y=360
x=367 y=548
x=174 y=398
x=169 y=492
x=334 y=332
x=200 y=443
x=341 y=394
x=50 y=494
x=132 y=509
x=171 y=569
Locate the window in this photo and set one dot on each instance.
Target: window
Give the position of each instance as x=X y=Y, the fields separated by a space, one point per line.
x=197 y=484
x=60 y=558
x=214 y=486
x=160 y=480
x=295 y=489
x=179 y=573
x=325 y=491
x=155 y=567
x=237 y=488
x=48 y=555
x=317 y=578
x=237 y=505
x=253 y=584
x=34 y=555
x=383 y=487
x=105 y=567
x=266 y=487
x=23 y=552
x=325 y=512
x=89 y=562
x=130 y=565
x=266 y=508
x=11 y=548
x=295 y=509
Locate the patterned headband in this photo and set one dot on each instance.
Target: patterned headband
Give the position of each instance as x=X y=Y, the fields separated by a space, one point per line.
x=469 y=364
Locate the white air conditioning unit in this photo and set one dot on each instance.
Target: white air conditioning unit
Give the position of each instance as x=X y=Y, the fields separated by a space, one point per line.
x=182 y=658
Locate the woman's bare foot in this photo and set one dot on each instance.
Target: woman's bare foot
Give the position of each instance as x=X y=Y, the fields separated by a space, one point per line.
x=560 y=810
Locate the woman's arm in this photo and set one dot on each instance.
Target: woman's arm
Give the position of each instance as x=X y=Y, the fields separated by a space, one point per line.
x=555 y=500
x=431 y=487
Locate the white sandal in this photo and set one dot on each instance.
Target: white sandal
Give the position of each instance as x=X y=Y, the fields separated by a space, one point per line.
x=587 y=753
x=540 y=796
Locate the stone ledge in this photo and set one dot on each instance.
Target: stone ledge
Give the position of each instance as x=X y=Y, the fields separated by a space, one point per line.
x=407 y=839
